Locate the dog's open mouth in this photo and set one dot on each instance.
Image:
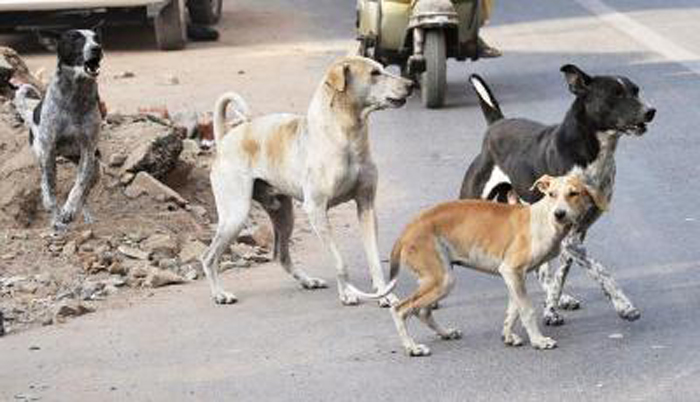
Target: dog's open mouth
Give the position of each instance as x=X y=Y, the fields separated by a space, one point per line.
x=395 y=102
x=636 y=129
x=92 y=67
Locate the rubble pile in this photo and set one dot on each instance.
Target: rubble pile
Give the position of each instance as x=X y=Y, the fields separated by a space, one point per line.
x=153 y=212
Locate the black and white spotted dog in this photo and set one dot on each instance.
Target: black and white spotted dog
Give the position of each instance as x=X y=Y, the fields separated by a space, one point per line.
x=516 y=152
x=67 y=123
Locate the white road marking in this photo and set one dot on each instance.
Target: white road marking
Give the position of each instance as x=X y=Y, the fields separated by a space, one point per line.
x=643 y=34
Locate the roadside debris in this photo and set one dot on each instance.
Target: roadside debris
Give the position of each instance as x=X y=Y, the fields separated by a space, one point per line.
x=153 y=209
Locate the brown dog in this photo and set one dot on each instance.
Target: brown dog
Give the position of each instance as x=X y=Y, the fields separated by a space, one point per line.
x=509 y=240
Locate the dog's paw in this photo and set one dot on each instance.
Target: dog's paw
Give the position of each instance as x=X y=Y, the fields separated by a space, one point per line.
x=225 y=298
x=59 y=227
x=388 y=301
x=313 y=283
x=512 y=339
x=568 y=302
x=87 y=217
x=630 y=313
x=418 y=350
x=544 y=343
x=552 y=318
x=451 y=334
x=349 y=299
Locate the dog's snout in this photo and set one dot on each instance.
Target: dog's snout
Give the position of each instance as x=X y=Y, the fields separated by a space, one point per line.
x=649 y=114
x=560 y=214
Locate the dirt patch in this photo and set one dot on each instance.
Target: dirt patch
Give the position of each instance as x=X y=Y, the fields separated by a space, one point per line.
x=152 y=220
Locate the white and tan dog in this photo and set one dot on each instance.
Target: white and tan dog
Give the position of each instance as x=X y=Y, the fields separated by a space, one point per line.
x=495 y=238
x=321 y=159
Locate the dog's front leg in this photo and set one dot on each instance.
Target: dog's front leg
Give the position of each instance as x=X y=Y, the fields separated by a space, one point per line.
x=85 y=180
x=317 y=211
x=622 y=304
x=515 y=281
x=368 y=225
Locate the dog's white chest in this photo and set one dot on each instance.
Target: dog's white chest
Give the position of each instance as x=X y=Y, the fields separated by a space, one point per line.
x=601 y=172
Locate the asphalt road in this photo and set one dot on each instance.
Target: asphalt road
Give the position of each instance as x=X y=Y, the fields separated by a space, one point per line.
x=281 y=343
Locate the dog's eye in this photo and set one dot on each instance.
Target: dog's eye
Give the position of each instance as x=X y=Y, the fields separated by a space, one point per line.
x=375 y=73
x=574 y=194
x=552 y=194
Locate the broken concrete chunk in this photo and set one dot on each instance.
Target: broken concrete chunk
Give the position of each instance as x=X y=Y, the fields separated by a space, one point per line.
x=133 y=252
x=144 y=183
x=159 y=277
x=191 y=251
x=156 y=156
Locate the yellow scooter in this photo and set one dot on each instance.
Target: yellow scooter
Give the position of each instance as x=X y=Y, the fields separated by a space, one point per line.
x=419 y=36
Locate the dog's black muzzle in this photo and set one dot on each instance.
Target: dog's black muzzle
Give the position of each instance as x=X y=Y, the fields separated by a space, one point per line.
x=641 y=127
x=92 y=62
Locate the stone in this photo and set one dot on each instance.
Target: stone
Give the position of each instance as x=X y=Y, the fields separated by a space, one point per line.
x=116 y=160
x=139 y=271
x=90 y=290
x=86 y=235
x=144 y=183
x=126 y=178
x=125 y=74
x=117 y=268
x=158 y=277
x=191 y=274
x=199 y=212
x=70 y=308
x=69 y=249
x=156 y=155
x=191 y=251
x=168 y=263
x=161 y=246
x=257 y=235
x=133 y=252
x=20 y=194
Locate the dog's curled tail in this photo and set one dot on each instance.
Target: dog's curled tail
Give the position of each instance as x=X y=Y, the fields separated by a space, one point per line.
x=489 y=104
x=240 y=107
x=25 y=110
x=393 y=273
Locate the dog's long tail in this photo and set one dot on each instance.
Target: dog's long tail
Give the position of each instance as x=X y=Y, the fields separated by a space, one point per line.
x=240 y=107
x=489 y=104
x=24 y=109
x=393 y=274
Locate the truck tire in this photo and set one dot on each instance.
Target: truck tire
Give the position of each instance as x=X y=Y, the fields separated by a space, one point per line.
x=171 y=27
x=207 y=12
x=433 y=81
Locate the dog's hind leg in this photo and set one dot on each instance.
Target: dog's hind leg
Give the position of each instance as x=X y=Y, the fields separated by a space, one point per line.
x=233 y=201
x=622 y=304
x=281 y=212
x=426 y=316
x=46 y=154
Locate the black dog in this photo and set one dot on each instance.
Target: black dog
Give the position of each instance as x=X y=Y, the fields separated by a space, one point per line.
x=516 y=152
x=67 y=122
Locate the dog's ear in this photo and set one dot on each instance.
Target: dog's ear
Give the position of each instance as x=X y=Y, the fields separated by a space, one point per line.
x=338 y=76
x=578 y=80
x=542 y=184
x=600 y=201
